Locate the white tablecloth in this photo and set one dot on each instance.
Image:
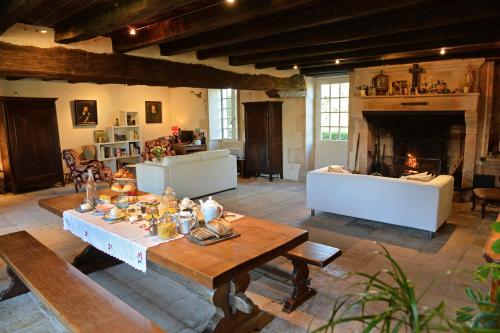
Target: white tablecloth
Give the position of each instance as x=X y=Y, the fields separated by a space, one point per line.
x=125 y=241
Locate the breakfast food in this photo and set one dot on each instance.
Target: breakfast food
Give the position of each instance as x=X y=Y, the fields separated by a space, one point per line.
x=220 y=226
x=122 y=173
x=128 y=188
x=117 y=187
x=167 y=230
x=103 y=207
x=105 y=198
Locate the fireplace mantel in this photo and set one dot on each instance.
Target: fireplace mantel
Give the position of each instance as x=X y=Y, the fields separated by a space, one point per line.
x=467 y=103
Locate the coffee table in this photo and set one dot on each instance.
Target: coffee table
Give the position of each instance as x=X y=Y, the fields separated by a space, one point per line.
x=219 y=273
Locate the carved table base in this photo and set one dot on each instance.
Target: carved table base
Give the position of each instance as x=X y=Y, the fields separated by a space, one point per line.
x=233 y=307
x=15 y=288
x=301 y=290
x=92 y=259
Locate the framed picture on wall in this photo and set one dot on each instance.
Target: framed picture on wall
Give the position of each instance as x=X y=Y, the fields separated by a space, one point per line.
x=85 y=112
x=153 y=112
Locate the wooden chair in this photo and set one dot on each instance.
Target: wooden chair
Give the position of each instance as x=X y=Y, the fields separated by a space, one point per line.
x=484 y=190
x=79 y=169
x=77 y=302
x=308 y=253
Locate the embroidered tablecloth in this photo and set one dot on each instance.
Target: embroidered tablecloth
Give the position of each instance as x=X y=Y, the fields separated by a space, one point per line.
x=125 y=241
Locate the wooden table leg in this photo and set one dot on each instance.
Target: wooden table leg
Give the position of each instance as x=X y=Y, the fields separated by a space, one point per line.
x=15 y=288
x=233 y=307
x=301 y=289
x=92 y=259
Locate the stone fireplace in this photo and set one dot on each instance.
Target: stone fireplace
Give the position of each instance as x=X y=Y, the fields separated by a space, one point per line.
x=441 y=130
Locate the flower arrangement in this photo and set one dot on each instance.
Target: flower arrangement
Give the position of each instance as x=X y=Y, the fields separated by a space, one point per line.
x=158 y=152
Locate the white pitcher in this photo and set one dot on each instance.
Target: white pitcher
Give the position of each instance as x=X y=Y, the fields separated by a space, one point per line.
x=211 y=209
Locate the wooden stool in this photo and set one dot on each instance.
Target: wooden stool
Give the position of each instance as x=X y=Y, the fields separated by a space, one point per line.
x=487 y=195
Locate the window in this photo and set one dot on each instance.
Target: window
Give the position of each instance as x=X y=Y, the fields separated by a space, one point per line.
x=223 y=114
x=334 y=111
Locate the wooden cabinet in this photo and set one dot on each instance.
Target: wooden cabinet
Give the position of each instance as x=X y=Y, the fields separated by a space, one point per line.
x=263 y=139
x=29 y=143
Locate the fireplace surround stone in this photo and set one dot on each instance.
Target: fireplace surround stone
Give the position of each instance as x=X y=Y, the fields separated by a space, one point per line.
x=465 y=103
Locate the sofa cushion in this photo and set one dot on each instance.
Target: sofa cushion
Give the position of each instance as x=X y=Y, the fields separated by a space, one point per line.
x=214 y=154
x=338 y=169
x=181 y=159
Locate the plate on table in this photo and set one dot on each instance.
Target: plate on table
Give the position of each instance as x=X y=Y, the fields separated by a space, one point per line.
x=109 y=218
x=80 y=210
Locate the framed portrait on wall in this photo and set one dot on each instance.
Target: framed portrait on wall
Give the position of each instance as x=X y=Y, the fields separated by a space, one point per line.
x=153 y=112
x=85 y=112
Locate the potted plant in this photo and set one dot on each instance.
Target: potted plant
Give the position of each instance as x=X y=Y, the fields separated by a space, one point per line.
x=158 y=152
x=403 y=311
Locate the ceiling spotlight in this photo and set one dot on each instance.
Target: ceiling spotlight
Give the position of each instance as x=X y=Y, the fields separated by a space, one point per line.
x=337 y=61
x=442 y=51
x=230 y=1
x=132 y=31
x=295 y=67
x=43 y=31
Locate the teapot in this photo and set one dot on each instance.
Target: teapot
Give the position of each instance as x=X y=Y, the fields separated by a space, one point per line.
x=186 y=203
x=211 y=209
x=185 y=221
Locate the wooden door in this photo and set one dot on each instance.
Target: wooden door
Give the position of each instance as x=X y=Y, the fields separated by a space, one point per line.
x=276 y=139
x=35 y=153
x=256 y=138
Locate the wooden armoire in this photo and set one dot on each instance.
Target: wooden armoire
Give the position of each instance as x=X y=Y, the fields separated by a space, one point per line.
x=263 y=139
x=29 y=144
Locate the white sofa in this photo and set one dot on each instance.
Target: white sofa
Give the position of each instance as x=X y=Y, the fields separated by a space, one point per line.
x=420 y=205
x=192 y=175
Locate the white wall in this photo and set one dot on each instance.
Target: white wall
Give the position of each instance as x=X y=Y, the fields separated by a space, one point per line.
x=110 y=99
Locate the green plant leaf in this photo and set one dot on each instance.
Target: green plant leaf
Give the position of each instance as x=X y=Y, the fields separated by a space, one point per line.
x=496 y=246
x=482 y=272
x=495 y=227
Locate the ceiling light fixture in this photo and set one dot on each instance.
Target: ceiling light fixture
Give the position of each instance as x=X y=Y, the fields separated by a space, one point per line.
x=43 y=31
x=295 y=67
x=230 y=1
x=337 y=61
x=132 y=31
x=442 y=51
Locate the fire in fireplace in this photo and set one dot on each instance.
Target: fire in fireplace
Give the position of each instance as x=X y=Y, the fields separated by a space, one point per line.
x=405 y=143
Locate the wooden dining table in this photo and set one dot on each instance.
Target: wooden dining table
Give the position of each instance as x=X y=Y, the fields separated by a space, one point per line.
x=220 y=273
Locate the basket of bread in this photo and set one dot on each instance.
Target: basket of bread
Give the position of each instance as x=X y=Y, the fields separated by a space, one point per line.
x=123 y=174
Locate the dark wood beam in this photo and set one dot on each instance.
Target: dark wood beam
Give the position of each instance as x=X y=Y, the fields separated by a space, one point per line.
x=321 y=12
x=374 y=52
x=12 y=11
x=81 y=66
x=440 y=15
x=471 y=51
x=214 y=17
x=122 y=14
x=453 y=35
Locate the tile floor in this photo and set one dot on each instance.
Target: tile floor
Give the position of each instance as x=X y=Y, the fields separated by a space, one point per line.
x=456 y=249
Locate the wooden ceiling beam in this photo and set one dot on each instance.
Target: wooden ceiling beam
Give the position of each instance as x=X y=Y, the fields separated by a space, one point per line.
x=12 y=11
x=453 y=35
x=437 y=16
x=319 y=12
x=217 y=16
x=122 y=14
x=74 y=65
x=470 y=51
x=374 y=52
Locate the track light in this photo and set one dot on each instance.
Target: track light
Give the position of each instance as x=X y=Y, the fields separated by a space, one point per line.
x=230 y=1
x=337 y=61
x=295 y=67
x=442 y=51
x=43 y=31
x=132 y=31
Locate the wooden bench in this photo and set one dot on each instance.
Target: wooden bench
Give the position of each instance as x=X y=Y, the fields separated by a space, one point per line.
x=79 y=303
x=308 y=253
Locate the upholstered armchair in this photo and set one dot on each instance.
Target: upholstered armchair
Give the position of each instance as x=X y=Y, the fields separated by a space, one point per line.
x=163 y=142
x=79 y=169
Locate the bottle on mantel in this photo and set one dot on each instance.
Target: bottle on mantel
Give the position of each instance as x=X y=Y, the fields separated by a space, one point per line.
x=91 y=189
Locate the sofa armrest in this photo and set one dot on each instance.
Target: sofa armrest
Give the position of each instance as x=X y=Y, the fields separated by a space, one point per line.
x=152 y=178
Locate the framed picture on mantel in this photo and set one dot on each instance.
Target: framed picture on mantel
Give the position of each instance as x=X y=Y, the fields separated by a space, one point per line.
x=85 y=113
x=153 y=112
